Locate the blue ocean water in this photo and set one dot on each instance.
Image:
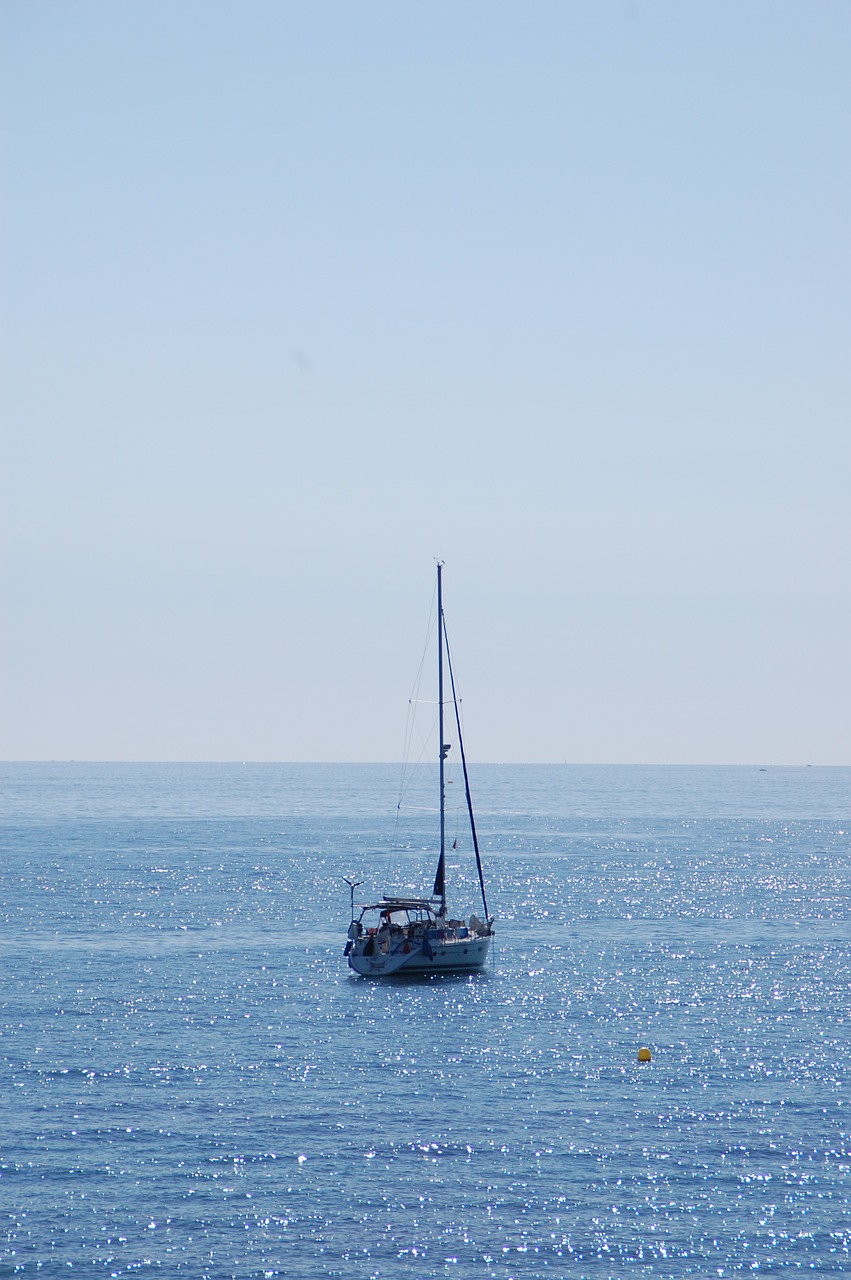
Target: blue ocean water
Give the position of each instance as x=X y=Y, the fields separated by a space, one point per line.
x=193 y=1083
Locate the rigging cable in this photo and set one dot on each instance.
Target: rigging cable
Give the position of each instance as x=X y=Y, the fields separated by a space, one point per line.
x=408 y=764
x=464 y=768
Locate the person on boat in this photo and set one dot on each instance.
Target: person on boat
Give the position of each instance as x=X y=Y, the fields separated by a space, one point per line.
x=383 y=935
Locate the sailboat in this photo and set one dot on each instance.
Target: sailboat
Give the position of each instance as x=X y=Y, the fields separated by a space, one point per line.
x=410 y=935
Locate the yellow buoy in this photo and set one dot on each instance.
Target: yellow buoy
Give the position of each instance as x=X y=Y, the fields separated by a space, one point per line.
x=644 y=1054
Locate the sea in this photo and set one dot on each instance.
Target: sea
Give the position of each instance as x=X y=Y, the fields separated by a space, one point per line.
x=194 y=1084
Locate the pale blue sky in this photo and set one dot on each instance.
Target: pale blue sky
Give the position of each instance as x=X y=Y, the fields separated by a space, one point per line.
x=300 y=296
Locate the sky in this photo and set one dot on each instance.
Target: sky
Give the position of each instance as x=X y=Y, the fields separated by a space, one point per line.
x=300 y=296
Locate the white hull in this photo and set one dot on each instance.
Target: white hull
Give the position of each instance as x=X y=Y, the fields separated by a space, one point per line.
x=463 y=955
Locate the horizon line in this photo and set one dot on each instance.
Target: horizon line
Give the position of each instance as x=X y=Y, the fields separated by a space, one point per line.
x=515 y=764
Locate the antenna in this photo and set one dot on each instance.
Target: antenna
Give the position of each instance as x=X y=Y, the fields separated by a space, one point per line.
x=353 y=884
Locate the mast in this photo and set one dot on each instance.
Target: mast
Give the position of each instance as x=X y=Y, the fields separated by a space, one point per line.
x=440 y=878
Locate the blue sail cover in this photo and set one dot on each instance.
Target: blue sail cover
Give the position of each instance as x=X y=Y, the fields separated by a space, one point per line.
x=439 y=889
